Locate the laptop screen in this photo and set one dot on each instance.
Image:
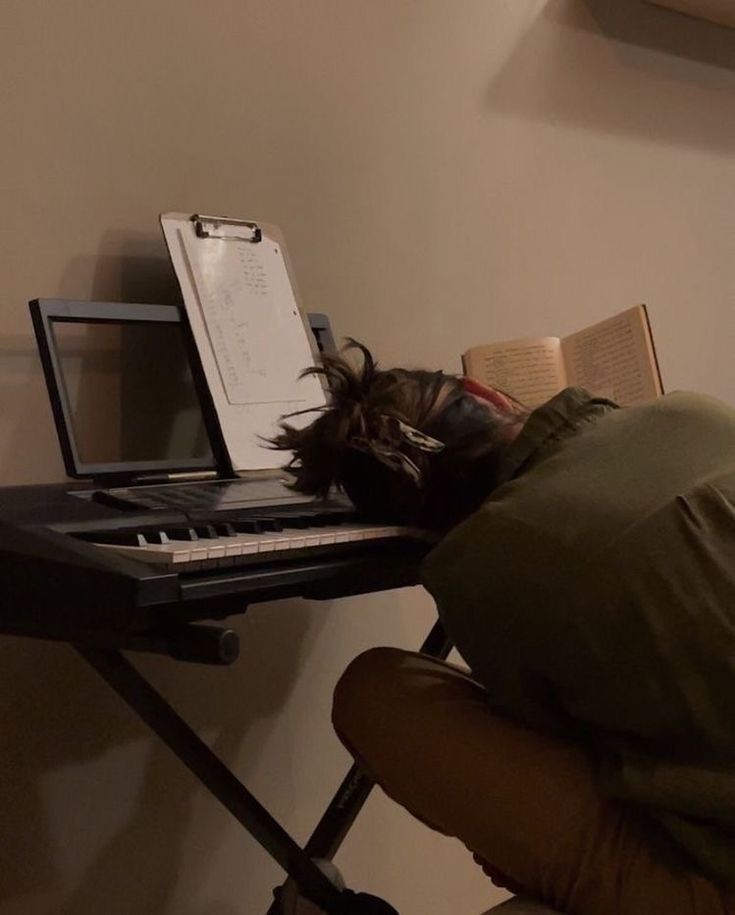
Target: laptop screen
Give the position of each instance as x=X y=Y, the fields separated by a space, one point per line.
x=121 y=387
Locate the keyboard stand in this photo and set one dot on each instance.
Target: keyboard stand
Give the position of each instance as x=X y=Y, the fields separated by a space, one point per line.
x=298 y=863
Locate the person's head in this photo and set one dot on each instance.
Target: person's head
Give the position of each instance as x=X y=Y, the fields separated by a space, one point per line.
x=412 y=446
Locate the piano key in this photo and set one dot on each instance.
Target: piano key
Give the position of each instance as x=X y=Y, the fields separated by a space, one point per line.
x=294 y=521
x=182 y=533
x=273 y=542
x=248 y=526
x=233 y=547
x=194 y=554
x=269 y=524
x=315 y=519
x=249 y=544
x=200 y=549
x=227 y=541
x=206 y=531
x=268 y=542
x=122 y=538
x=156 y=537
x=338 y=516
x=299 y=539
x=154 y=553
x=296 y=541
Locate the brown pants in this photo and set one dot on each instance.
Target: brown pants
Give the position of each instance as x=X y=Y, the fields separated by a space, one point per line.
x=525 y=803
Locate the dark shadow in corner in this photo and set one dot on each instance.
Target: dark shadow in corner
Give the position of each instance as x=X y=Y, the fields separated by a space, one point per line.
x=655 y=28
x=623 y=67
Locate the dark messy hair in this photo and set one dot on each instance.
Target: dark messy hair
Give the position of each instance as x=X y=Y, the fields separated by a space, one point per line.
x=363 y=443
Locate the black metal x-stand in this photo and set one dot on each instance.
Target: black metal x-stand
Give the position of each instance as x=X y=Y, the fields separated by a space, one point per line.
x=214 y=645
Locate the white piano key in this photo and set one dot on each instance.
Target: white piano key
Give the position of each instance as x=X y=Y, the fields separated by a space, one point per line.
x=155 y=553
x=224 y=551
x=248 y=547
x=198 y=548
x=262 y=543
x=233 y=547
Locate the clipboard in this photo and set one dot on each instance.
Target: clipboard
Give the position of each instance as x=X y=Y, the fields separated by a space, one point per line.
x=249 y=331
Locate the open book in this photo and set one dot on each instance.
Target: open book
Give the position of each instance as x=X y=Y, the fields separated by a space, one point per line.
x=615 y=358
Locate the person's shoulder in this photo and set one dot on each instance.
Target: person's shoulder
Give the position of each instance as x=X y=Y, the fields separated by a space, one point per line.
x=699 y=413
x=691 y=401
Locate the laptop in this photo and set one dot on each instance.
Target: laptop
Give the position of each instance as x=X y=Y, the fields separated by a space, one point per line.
x=132 y=408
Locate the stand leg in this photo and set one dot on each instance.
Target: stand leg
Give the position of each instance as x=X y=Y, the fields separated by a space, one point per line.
x=131 y=686
x=354 y=790
x=351 y=795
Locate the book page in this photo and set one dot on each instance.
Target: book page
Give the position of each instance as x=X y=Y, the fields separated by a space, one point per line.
x=615 y=358
x=531 y=370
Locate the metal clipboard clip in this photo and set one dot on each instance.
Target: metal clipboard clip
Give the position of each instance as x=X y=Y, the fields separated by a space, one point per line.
x=226 y=229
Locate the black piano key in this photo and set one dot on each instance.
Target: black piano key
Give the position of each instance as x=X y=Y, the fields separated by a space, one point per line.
x=257 y=525
x=317 y=519
x=225 y=529
x=333 y=518
x=156 y=537
x=248 y=526
x=206 y=531
x=119 y=538
x=294 y=521
x=342 y=516
x=181 y=533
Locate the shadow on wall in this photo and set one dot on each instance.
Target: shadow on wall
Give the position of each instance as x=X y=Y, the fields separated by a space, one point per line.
x=130 y=267
x=55 y=713
x=29 y=449
x=623 y=67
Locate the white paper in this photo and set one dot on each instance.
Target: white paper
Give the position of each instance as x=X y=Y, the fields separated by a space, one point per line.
x=252 y=371
x=251 y=316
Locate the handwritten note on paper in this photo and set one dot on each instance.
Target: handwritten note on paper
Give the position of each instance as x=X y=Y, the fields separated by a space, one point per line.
x=252 y=320
x=243 y=425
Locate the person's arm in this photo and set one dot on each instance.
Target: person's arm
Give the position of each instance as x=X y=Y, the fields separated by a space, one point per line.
x=495 y=583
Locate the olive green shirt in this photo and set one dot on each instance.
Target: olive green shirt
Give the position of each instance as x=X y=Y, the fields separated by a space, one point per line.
x=593 y=595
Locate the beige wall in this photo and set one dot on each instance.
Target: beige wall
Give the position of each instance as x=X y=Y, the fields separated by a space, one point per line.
x=445 y=173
